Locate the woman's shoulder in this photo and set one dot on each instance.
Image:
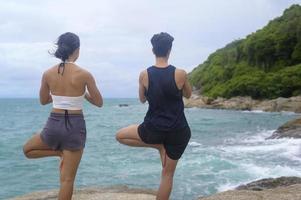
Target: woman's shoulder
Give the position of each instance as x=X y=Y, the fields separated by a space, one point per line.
x=84 y=74
x=51 y=70
x=81 y=70
x=77 y=69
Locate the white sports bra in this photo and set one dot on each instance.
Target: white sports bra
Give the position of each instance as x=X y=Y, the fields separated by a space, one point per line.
x=68 y=103
x=65 y=102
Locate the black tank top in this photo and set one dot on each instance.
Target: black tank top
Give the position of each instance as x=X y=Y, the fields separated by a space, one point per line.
x=166 y=107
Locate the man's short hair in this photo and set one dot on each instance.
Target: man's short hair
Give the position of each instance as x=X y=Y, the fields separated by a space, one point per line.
x=162 y=43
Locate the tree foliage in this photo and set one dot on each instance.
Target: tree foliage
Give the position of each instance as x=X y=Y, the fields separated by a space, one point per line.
x=266 y=64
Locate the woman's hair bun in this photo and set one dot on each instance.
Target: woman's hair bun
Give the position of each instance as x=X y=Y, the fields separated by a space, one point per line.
x=67 y=43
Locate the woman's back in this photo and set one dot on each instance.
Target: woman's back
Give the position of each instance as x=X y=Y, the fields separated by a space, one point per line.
x=72 y=82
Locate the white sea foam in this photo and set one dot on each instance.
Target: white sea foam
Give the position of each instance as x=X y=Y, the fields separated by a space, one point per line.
x=259 y=172
x=254 y=111
x=293 y=150
x=251 y=138
x=288 y=145
x=193 y=108
x=259 y=137
x=227 y=186
x=258 y=158
x=289 y=113
x=266 y=112
x=258 y=142
x=194 y=144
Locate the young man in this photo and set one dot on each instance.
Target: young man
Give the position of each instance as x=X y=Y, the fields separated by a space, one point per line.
x=164 y=127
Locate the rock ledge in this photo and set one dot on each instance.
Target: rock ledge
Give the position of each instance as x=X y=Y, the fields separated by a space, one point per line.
x=291 y=129
x=94 y=193
x=292 y=104
x=283 y=188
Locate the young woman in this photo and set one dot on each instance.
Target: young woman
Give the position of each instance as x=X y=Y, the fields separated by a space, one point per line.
x=64 y=134
x=165 y=127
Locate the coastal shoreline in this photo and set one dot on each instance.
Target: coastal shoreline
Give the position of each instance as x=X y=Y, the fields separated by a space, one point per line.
x=292 y=104
x=287 y=189
x=282 y=188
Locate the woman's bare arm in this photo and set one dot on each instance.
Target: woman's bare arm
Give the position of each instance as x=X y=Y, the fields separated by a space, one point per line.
x=93 y=95
x=142 y=89
x=45 y=97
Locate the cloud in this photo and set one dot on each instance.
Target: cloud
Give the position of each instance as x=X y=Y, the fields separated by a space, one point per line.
x=115 y=36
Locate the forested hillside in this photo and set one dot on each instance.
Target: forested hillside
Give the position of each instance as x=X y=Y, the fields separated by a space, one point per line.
x=266 y=64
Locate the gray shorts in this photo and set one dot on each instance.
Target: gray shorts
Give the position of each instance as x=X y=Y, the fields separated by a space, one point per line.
x=65 y=131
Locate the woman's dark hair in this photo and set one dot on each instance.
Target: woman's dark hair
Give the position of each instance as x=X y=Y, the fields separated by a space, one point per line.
x=67 y=43
x=162 y=43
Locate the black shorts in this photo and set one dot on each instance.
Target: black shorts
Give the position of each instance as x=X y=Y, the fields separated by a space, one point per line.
x=174 y=142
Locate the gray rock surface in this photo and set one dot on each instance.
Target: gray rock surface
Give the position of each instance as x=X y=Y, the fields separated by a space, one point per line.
x=270 y=183
x=292 y=192
x=113 y=193
x=292 y=104
x=283 y=188
x=291 y=129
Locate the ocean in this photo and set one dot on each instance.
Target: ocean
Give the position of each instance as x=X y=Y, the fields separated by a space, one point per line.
x=227 y=148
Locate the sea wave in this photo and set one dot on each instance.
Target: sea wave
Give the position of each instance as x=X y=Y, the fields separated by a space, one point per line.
x=257 y=172
x=254 y=111
x=194 y=144
x=226 y=186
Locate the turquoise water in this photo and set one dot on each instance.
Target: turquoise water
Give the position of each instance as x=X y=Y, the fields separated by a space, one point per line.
x=227 y=148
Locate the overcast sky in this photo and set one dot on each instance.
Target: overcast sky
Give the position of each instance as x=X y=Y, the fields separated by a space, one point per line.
x=115 y=36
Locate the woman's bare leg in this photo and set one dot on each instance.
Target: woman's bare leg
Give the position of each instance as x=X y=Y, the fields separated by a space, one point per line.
x=167 y=179
x=36 y=148
x=68 y=173
x=129 y=136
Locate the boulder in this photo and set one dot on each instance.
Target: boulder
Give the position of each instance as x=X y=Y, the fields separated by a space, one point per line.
x=292 y=104
x=266 y=105
x=292 y=192
x=291 y=129
x=283 y=188
x=194 y=101
x=235 y=103
x=269 y=183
